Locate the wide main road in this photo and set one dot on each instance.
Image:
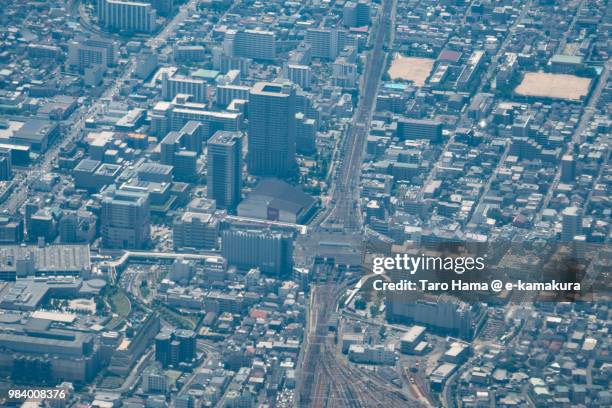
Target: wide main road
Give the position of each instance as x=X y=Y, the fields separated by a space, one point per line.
x=344 y=205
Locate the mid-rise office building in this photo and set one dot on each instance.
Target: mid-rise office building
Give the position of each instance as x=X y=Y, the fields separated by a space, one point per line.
x=271 y=129
x=172 y=348
x=224 y=175
x=154 y=381
x=125 y=221
x=411 y=129
x=42 y=225
x=128 y=16
x=271 y=252
x=195 y=230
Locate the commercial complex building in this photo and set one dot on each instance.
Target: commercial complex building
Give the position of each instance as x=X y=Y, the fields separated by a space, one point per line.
x=271 y=251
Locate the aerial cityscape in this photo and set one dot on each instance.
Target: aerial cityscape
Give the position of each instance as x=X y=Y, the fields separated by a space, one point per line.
x=313 y=203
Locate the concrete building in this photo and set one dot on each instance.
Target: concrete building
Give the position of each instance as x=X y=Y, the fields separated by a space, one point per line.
x=356 y=13
x=155 y=172
x=36 y=352
x=411 y=129
x=571 y=223
x=224 y=173
x=180 y=84
x=255 y=44
x=130 y=349
x=146 y=64
x=411 y=338
x=195 y=230
x=181 y=149
x=128 y=16
x=277 y=201
x=154 y=381
x=568 y=168
x=299 y=74
x=34 y=260
x=327 y=43
x=344 y=73
x=167 y=116
x=271 y=251
x=92 y=52
x=125 y=219
x=271 y=129
x=441 y=313
x=365 y=354
x=227 y=93
x=36 y=133
x=305 y=134
x=189 y=53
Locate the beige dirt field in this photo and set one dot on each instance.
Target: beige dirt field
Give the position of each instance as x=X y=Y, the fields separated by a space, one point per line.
x=558 y=86
x=413 y=69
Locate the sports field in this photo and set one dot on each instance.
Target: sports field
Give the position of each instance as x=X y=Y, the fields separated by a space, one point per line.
x=557 y=86
x=413 y=69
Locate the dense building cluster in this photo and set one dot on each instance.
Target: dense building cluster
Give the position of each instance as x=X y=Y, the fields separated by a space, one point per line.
x=191 y=192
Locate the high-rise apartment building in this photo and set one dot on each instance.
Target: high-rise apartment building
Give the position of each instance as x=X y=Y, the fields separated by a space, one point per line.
x=327 y=43
x=129 y=16
x=225 y=168
x=255 y=44
x=271 y=129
